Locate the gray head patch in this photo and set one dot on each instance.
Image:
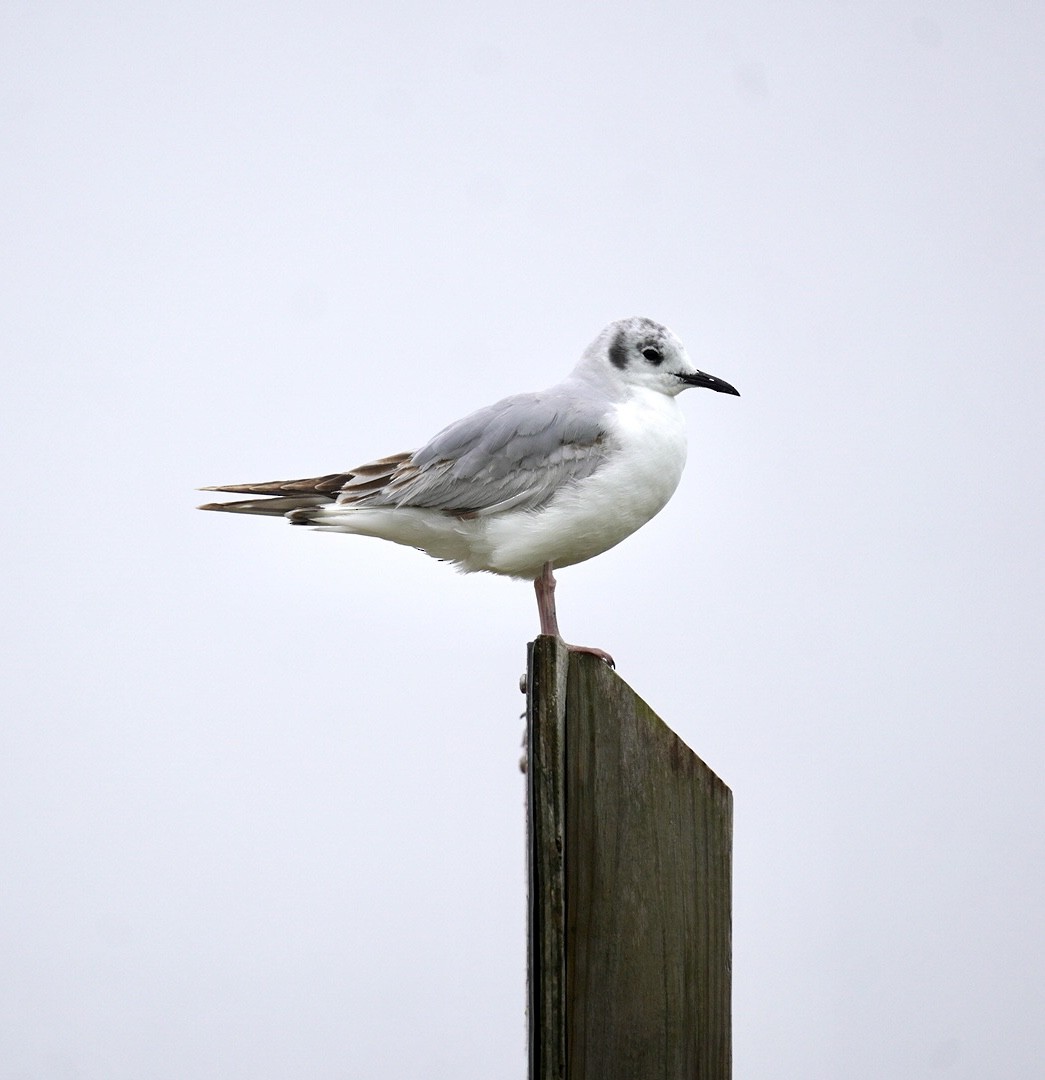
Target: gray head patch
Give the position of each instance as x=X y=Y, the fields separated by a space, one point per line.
x=618 y=351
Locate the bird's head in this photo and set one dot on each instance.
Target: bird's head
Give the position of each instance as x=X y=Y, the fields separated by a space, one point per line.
x=640 y=352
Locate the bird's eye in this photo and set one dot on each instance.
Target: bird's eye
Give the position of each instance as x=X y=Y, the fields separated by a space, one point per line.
x=653 y=355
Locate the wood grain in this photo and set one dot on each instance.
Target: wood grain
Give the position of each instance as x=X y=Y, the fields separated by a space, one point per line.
x=548 y=663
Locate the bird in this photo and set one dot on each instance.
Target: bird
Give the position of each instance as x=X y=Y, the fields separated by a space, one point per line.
x=529 y=485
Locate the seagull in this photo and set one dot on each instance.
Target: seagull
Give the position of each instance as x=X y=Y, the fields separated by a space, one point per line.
x=529 y=485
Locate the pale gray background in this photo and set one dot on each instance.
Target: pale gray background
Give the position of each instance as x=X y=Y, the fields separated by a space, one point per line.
x=261 y=815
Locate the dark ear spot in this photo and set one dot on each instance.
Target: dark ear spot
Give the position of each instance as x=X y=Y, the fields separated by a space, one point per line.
x=618 y=352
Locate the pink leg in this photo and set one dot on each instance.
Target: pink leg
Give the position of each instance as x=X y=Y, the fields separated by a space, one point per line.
x=544 y=586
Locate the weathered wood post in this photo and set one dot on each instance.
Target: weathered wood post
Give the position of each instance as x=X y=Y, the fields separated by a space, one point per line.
x=630 y=868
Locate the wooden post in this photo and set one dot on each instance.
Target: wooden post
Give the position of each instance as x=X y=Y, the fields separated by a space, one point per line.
x=630 y=865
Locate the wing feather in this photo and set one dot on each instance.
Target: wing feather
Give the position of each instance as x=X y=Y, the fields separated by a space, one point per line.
x=516 y=453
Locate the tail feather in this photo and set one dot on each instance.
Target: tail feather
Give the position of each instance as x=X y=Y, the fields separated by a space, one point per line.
x=299 y=497
x=269 y=507
x=330 y=484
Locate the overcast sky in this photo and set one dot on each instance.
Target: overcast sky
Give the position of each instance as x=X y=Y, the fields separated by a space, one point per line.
x=260 y=811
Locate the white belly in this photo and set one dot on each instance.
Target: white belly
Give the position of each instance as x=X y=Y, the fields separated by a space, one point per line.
x=647 y=441
x=585 y=520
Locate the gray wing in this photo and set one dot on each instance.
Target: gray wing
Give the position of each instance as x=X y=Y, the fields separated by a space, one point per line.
x=516 y=453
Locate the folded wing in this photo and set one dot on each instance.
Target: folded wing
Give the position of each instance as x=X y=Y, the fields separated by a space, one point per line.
x=515 y=454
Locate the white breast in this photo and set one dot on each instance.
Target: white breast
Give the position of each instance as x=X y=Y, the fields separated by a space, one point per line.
x=648 y=437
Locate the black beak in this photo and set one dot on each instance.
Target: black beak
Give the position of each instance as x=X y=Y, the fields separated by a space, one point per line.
x=698 y=378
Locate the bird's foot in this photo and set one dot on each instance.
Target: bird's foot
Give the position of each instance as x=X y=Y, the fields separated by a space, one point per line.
x=600 y=653
x=544 y=586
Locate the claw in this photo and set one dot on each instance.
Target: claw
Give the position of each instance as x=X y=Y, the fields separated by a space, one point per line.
x=600 y=653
